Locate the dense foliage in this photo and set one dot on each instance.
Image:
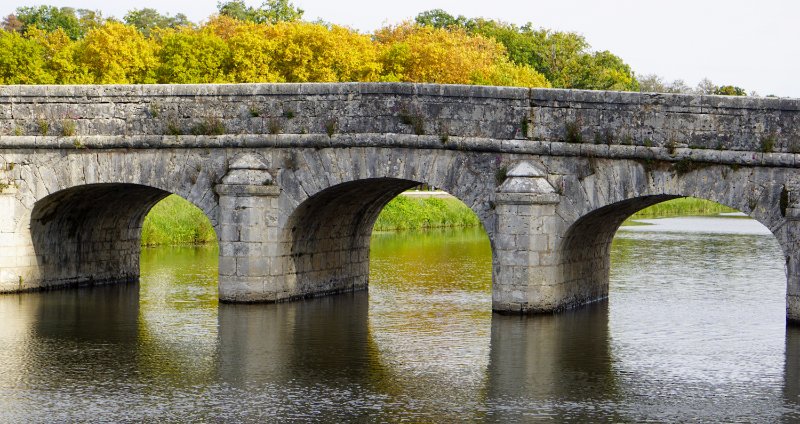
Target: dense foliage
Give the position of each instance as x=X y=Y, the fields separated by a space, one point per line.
x=49 y=45
x=270 y=43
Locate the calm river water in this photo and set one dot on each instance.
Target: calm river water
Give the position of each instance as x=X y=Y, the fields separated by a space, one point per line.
x=694 y=330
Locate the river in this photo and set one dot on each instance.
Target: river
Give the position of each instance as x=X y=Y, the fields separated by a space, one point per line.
x=693 y=330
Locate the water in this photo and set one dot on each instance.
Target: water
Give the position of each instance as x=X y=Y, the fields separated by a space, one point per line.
x=693 y=331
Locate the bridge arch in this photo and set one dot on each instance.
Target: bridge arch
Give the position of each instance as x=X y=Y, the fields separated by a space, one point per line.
x=327 y=238
x=585 y=246
x=90 y=234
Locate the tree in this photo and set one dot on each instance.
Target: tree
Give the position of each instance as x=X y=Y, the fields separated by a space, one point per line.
x=416 y=53
x=59 y=56
x=147 y=19
x=557 y=55
x=116 y=54
x=438 y=18
x=187 y=56
x=652 y=83
x=705 y=86
x=306 y=52
x=21 y=60
x=271 y=11
x=12 y=24
x=50 y=18
x=599 y=71
x=730 y=90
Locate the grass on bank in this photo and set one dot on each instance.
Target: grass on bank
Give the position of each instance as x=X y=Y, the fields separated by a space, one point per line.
x=682 y=207
x=409 y=213
x=175 y=221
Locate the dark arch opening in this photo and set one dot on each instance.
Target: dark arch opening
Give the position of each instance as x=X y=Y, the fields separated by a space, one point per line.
x=91 y=234
x=328 y=235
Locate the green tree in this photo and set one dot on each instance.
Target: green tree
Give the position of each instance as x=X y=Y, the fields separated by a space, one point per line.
x=271 y=11
x=600 y=71
x=438 y=18
x=147 y=19
x=59 y=56
x=730 y=90
x=75 y=23
x=557 y=55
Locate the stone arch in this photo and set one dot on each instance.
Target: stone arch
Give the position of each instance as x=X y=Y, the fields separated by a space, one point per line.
x=584 y=249
x=90 y=234
x=469 y=176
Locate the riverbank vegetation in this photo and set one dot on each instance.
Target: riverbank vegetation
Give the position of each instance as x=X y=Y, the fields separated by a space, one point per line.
x=175 y=221
x=682 y=207
x=411 y=213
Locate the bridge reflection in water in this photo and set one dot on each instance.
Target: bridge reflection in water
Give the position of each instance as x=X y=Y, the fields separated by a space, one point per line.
x=421 y=345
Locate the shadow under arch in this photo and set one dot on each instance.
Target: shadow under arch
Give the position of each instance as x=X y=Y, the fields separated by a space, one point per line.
x=327 y=237
x=586 y=246
x=91 y=234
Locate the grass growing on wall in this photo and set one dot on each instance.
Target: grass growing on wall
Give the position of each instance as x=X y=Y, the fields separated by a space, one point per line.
x=175 y=221
x=683 y=206
x=407 y=213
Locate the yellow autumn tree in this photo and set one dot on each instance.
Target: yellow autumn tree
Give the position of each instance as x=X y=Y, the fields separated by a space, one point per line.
x=250 y=51
x=115 y=53
x=414 y=53
x=21 y=60
x=59 y=56
x=303 y=52
x=189 y=56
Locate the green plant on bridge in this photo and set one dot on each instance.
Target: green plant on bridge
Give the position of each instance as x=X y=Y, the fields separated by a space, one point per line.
x=210 y=126
x=572 y=132
x=44 y=126
x=524 y=126
x=331 y=126
x=274 y=126
x=500 y=175
x=173 y=128
x=68 y=127
x=768 y=143
x=413 y=119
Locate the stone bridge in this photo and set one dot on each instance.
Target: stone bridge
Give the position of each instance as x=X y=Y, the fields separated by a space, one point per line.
x=293 y=176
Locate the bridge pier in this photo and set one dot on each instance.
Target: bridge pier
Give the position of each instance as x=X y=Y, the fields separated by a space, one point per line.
x=248 y=233
x=18 y=263
x=526 y=262
x=793 y=265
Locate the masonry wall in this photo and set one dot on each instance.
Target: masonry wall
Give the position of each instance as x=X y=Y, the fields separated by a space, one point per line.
x=336 y=153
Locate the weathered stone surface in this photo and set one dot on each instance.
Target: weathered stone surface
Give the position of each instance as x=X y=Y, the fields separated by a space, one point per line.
x=293 y=177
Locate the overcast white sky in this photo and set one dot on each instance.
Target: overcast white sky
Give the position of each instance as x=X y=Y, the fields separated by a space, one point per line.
x=752 y=44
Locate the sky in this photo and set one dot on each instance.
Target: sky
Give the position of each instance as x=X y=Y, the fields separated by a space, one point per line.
x=751 y=44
